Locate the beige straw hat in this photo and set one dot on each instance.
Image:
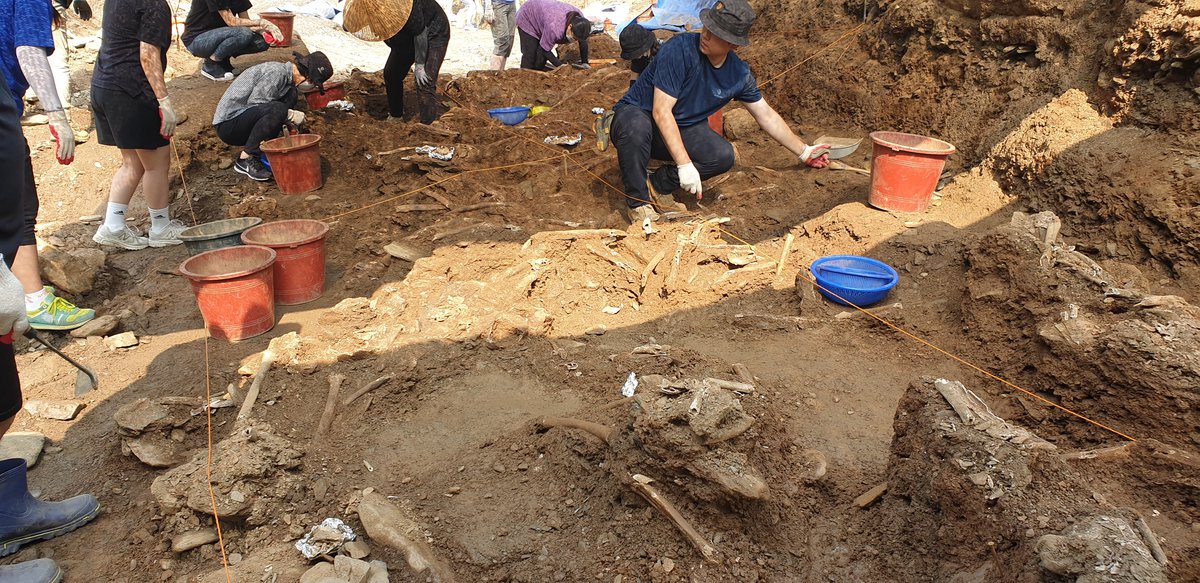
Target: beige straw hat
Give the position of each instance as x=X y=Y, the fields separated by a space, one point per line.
x=376 y=20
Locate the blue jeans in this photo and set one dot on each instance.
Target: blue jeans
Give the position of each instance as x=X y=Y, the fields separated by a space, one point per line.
x=222 y=43
x=637 y=139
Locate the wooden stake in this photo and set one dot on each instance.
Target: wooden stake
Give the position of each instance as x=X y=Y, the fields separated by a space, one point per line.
x=335 y=384
x=641 y=485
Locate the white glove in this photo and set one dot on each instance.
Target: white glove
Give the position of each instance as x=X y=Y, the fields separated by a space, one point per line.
x=60 y=128
x=295 y=117
x=689 y=179
x=815 y=155
x=489 y=15
x=420 y=76
x=12 y=302
x=270 y=27
x=167 y=114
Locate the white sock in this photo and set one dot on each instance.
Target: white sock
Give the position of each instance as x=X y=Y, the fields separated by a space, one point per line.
x=114 y=218
x=159 y=218
x=33 y=300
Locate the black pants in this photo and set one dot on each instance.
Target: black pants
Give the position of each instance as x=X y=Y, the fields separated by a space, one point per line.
x=256 y=125
x=636 y=137
x=400 y=60
x=13 y=156
x=532 y=55
x=30 y=198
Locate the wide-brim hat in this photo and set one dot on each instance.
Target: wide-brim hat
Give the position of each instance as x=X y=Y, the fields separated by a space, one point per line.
x=376 y=20
x=730 y=20
x=635 y=41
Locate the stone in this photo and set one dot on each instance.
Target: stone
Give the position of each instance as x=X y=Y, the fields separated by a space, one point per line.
x=312 y=198
x=597 y=330
x=100 y=326
x=22 y=444
x=153 y=450
x=350 y=569
x=122 y=340
x=404 y=251
x=378 y=572
x=320 y=573
x=72 y=271
x=141 y=415
x=357 y=549
x=1100 y=548
x=320 y=488
x=812 y=465
x=224 y=163
x=187 y=541
x=60 y=410
x=740 y=125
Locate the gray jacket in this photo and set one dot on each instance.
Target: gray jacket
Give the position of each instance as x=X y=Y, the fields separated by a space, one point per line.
x=258 y=84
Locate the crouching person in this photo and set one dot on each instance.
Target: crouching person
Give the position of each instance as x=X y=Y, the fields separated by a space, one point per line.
x=261 y=102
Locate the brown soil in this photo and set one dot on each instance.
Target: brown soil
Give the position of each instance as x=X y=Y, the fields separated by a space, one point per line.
x=1077 y=108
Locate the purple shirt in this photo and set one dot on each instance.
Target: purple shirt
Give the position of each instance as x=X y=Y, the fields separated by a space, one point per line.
x=546 y=20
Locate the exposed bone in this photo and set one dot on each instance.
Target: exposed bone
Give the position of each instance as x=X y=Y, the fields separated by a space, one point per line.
x=974 y=412
x=870 y=496
x=335 y=384
x=654 y=261
x=603 y=432
x=371 y=386
x=475 y=207
x=435 y=195
x=571 y=235
x=417 y=207
x=641 y=485
x=743 y=373
x=731 y=385
x=787 y=246
x=1151 y=541
x=669 y=285
x=1100 y=454
x=731 y=472
x=268 y=357
x=387 y=524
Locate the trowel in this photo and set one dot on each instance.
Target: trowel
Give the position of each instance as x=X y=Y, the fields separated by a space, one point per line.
x=85 y=379
x=840 y=148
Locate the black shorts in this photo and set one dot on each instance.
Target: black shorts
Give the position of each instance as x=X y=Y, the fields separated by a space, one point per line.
x=10 y=383
x=29 y=197
x=127 y=122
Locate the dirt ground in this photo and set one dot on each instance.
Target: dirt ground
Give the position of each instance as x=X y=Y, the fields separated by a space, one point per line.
x=1084 y=111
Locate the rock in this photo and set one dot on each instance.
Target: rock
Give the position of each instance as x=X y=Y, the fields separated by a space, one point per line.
x=101 y=326
x=73 y=271
x=153 y=450
x=1100 y=549
x=22 y=444
x=343 y=570
x=224 y=163
x=812 y=465
x=312 y=198
x=187 y=541
x=740 y=125
x=320 y=573
x=122 y=340
x=387 y=524
x=91 y=218
x=378 y=572
x=320 y=488
x=356 y=549
x=60 y=410
x=597 y=330
x=404 y=251
x=141 y=415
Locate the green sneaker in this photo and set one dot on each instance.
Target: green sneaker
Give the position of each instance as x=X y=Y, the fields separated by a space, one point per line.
x=56 y=313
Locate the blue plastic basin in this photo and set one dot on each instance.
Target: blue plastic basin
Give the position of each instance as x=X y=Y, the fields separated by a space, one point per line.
x=510 y=116
x=860 y=281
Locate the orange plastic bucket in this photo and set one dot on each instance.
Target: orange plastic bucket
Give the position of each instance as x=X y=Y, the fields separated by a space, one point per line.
x=905 y=169
x=333 y=92
x=295 y=162
x=716 y=121
x=234 y=290
x=283 y=20
x=300 y=262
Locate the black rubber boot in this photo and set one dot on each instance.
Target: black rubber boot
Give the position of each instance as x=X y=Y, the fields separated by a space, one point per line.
x=25 y=519
x=35 y=571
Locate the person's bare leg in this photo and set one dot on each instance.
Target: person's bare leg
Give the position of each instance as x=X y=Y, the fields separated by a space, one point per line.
x=155 y=180
x=25 y=267
x=126 y=178
x=6 y=425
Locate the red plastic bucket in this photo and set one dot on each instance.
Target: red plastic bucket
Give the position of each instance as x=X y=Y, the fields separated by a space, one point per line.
x=234 y=290
x=300 y=265
x=905 y=169
x=284 y=21
x=295 y=162
x=716 y=121
x=333 y=92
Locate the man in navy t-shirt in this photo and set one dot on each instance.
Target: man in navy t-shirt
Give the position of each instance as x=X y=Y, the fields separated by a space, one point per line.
x=664 y=114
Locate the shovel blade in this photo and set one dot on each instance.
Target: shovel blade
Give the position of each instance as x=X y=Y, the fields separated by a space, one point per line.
x=84 y=382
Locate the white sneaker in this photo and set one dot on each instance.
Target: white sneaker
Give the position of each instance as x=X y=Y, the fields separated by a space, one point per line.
x=125 y=238
x=168 y=235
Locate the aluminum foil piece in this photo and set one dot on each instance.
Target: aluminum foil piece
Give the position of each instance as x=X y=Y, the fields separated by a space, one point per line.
x=443 y=153
x=564 y=140
x=325 y=538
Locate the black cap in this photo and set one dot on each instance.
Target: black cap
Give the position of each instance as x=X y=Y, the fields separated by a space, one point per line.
x=315 y=68
x=730 y=20
x=635 y=41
